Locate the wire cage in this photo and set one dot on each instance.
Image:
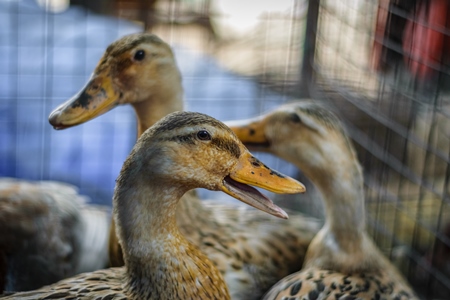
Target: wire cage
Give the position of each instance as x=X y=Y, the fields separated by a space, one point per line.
x=385 y=68
x=382 y=65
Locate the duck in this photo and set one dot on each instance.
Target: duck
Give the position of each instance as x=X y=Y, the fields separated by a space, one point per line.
x=251 y=250
x=342 y=261
x=182 y=151
x=46 y=233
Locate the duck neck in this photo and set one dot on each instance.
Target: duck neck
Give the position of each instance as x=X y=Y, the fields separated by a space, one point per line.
x=343 y=195
x=157 y=106
x=144 y=212
x=160 y=261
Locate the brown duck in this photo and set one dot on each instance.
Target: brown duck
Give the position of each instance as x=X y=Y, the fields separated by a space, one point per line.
x=342 y=261
x=181 y=152
x=251 y=250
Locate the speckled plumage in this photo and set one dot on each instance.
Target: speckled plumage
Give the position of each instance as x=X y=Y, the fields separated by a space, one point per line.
x=342 y=262
x=330 y=285
x=160 y=262
x=101 y=284
x=43 y=233
x=251 y=250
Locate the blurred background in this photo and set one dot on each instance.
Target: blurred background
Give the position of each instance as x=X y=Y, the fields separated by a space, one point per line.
x=383 y=66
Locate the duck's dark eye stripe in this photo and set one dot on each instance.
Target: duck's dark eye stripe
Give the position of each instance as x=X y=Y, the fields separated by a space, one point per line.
x=139 y=55
x=204 y=135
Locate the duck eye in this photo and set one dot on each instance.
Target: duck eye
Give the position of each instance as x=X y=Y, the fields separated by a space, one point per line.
x=139 y=55
x=294 y=118
x=204 y=135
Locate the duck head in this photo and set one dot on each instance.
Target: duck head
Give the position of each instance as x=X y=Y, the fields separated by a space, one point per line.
x=304 y=133
x=192 y=150
x=135 y=69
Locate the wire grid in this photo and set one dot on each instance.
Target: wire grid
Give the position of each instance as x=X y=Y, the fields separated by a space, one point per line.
x=48 y=57
x=45 y=59
x=399 y=121
x=399 y=125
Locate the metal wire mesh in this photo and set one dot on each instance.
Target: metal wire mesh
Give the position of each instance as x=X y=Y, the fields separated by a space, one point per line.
x=45 y=58
x=377 y=64
x=358 y=55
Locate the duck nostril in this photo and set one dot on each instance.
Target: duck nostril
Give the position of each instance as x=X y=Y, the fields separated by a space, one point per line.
x=255 y=164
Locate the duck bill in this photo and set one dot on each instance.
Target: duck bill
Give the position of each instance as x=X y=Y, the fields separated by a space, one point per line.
x=96 y=98
x=250 y=171
x=251 y=132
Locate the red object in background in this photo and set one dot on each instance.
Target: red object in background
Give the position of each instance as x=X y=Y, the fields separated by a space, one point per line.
x=425 y=42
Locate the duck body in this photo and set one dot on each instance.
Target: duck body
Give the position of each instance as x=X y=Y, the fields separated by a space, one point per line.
x=44 y=234
x=244 y=245
x=251 y=250
x=180 y=152
x=342 y=262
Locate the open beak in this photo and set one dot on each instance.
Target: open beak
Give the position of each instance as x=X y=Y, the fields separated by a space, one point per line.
x=251 y=133
x=250 y=171
x=96 y=98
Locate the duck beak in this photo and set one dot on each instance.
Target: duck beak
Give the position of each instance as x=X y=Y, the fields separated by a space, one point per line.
x=251 y=133
x=96 y=98
x=250 y=171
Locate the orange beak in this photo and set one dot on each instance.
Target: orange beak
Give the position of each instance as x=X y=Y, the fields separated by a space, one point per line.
x=250 y=171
